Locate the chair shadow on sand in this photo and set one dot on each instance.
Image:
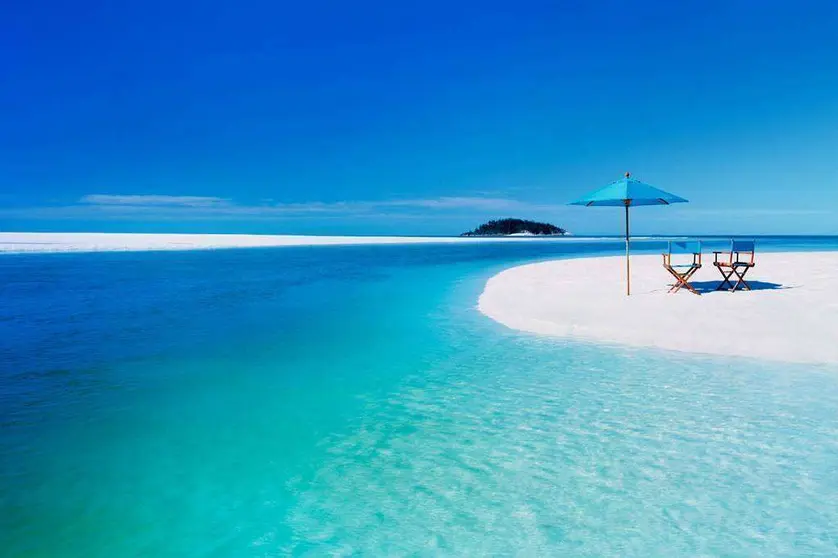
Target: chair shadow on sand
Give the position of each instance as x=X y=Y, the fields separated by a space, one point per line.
x=706 y=287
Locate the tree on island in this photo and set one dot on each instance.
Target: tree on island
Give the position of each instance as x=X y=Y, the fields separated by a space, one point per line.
x=499 y=227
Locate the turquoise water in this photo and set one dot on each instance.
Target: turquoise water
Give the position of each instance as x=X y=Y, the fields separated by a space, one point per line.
x=352 y=401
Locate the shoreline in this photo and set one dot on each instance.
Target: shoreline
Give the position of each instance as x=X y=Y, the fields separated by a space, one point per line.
x=790 y=316
x=33 y=242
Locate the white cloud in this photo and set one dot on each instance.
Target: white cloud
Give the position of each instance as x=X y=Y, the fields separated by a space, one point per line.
x=701 y=213
x=491 y=204
x=220 y=205
x=152 y=200
x=159 y=207
x=147 y=207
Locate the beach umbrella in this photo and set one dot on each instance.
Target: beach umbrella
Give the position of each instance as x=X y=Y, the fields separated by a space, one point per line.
x=628 y=192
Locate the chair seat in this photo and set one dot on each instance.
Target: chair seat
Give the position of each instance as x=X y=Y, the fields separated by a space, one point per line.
x=734 y=264
x=688 y=266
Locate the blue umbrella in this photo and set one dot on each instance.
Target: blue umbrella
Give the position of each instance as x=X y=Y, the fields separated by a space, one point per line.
x=628 y=192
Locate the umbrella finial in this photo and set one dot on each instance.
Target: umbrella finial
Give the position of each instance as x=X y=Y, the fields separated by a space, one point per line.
x=628 y=174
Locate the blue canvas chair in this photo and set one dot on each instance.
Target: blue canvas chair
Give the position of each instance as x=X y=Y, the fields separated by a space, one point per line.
x=683 y=272
x=736 y=261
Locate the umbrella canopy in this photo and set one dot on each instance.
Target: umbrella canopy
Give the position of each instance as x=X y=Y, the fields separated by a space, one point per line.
x=628 y=192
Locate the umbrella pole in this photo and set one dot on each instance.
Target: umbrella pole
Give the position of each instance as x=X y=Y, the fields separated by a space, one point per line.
x=628 y=265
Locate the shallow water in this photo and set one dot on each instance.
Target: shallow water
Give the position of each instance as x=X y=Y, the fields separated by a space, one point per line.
x=352 y=401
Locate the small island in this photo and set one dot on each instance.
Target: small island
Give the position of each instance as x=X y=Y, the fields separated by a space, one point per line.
x=522 y=227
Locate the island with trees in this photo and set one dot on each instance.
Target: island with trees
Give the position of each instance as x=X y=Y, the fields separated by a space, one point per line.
x=522 y=227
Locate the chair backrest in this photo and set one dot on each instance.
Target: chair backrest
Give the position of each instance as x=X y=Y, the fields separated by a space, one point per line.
x=740 y=248
x=744 y=246
x=685 y=247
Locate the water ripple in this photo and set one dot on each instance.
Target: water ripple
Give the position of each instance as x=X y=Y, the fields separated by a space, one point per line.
x=583 y=453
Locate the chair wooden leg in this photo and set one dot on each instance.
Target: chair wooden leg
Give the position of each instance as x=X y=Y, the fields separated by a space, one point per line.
x=741 y=279
x=726 y=280
x=682 y=280
x=690 y=288
x=677 y=284
x=687 y=277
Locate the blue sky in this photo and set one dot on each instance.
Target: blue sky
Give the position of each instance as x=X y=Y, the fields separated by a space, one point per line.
x=377 y=117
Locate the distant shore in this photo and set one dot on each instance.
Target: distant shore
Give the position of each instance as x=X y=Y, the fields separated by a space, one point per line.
x=791 y=315
x=23 y=242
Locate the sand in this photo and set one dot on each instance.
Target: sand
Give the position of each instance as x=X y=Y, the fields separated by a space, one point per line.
x=791 y=315
x=17 y=242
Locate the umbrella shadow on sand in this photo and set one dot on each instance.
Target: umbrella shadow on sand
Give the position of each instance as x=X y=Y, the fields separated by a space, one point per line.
x=706 y=287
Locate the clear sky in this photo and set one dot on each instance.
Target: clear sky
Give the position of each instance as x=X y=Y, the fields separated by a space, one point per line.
x=420 y=118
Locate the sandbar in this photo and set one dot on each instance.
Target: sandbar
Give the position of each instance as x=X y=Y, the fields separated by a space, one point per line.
x=19 y=242
x=790 y=315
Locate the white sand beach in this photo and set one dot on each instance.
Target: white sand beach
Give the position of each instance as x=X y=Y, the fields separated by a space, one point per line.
x=17 y=242
x=791 y=315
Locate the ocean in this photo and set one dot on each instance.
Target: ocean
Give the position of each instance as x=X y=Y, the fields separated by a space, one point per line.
x=351 y=401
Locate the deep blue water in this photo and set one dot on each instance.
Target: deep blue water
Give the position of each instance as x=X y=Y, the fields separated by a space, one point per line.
x=351 y=400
